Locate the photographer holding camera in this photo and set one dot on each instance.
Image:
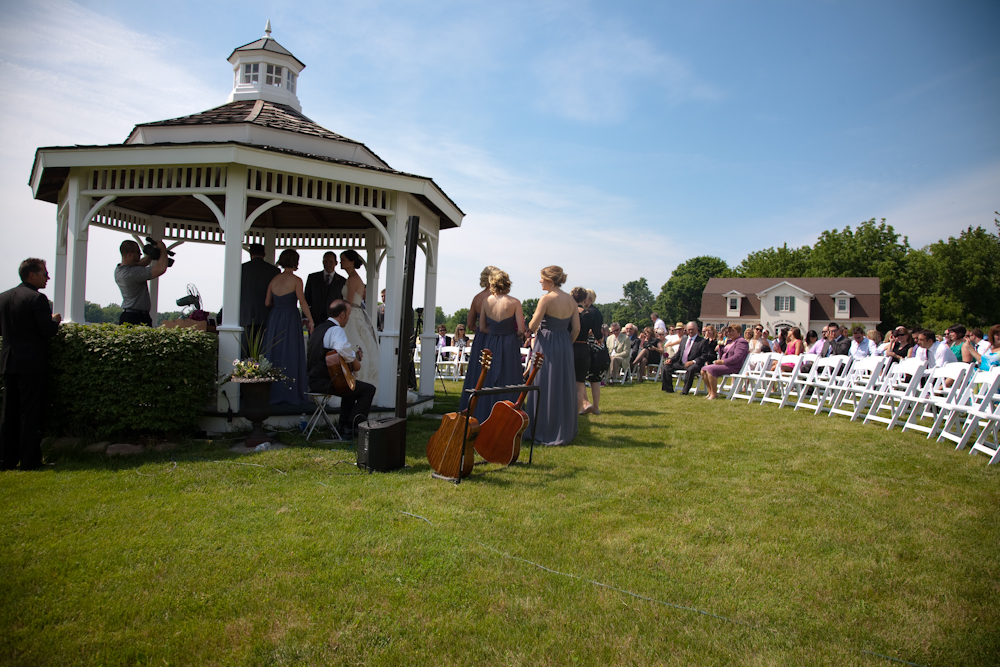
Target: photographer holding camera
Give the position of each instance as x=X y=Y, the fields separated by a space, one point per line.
x=132 y=275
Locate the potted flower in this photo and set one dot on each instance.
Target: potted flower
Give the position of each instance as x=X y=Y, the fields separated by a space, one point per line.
x=255 y=373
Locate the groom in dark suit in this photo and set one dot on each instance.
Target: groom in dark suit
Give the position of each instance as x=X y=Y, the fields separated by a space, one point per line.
x=693 y=352
x=256 y=276
x=324 y=287
x=26 y=325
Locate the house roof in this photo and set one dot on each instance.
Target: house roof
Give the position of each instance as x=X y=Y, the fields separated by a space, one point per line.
x=865 y=306
x=266 y=44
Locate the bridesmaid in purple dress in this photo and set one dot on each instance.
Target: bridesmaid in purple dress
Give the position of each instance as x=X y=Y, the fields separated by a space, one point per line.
x=729 y=362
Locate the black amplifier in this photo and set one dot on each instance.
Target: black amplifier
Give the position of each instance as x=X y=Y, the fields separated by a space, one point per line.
x=382 y=444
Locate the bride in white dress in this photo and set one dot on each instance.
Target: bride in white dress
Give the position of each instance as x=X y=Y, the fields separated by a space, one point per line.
x=359 y=327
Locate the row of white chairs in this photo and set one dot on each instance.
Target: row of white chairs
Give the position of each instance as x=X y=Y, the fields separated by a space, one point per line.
x=954 y=402
x=452 y=362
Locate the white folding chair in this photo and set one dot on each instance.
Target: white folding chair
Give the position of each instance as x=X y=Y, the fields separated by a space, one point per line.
x=988 y=440
x=727 y=382
x=778 y=382
x=861 y=378
x=448 y=359
x=954 y=422
x=824 y=372
x=525 y=358
x=944 y=386
x=320 y=413
x=745 y=382
x=901 y=381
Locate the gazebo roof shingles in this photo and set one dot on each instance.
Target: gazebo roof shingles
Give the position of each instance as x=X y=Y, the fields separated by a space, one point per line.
x=267 y=44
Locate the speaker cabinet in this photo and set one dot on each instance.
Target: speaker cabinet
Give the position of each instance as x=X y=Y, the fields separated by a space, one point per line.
x=382 y=444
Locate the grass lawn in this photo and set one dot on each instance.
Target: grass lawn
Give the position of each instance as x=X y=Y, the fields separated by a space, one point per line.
x=673 y=531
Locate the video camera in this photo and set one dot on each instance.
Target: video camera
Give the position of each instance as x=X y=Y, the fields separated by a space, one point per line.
x=153 y=251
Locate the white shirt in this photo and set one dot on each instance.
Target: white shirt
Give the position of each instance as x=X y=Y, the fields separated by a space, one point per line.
x=983 y=346
x=335 y=338
x=939 y=355
x=863 y=349
x=661 y=325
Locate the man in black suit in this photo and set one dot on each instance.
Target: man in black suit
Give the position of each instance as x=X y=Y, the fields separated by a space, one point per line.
x=330 y=336
x=257 y=275
x=836 y=342
x=324 y=287
x=693 y=352
x=26 y=324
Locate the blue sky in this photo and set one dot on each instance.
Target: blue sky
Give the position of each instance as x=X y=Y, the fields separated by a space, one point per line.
x=615 y=139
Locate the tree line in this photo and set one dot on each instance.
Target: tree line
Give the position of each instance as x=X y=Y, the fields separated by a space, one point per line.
x=953 y=281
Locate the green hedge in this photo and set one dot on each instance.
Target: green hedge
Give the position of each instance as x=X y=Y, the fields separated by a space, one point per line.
x=110 y=380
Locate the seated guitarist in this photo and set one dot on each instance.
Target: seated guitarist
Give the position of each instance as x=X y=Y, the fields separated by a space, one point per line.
x=330 y=336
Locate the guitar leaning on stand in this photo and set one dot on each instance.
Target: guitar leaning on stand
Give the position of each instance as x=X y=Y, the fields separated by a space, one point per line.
x=449 y=451
x=499 y=438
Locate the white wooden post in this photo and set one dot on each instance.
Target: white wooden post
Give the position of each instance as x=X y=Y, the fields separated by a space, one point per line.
x=76 y=250
x=59 y=282
x=391 y=336
x=157 y=225
x=230 y=330
x=269 y=238
x=428 y=337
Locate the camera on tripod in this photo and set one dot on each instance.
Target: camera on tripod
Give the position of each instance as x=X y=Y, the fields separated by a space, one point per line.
x=153 y=251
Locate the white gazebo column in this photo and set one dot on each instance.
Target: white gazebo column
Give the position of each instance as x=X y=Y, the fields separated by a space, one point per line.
x=77 y=207
x=59 y=281
x=270 y=235
x=391 y=336
x=428 y=337
x=157 y=226
x=230 y=330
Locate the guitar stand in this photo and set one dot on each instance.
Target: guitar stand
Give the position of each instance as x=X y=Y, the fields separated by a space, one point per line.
x=515 y=388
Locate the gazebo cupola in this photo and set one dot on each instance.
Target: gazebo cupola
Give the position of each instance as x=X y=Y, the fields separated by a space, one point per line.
x=265 y=70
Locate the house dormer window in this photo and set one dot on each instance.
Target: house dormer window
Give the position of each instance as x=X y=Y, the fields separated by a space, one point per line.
x=784 y=304
x=273 y=77
x=841 y=305
x=734 y=303
x=251 y=73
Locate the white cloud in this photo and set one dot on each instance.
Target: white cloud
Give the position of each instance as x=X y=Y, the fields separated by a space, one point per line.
x=596 y=76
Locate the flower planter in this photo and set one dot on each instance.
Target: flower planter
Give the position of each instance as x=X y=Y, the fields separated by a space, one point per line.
x=255 y=407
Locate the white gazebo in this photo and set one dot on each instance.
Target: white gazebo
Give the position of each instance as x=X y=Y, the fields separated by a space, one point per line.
x=254 y=170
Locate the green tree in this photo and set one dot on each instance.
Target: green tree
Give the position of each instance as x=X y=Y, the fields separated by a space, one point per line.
x=965 y=289
x=97 y=314
x=635 y=305
x=439 y=316
x=458 y=318
x=680 y=297
x=783 y=262
x=529 y=305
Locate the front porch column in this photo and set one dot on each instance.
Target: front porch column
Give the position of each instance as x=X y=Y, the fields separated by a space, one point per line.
x=391 y=337
x=59 y=279
x=77 y=207
x=428 y=338
x=230 y=330
x=270 y=236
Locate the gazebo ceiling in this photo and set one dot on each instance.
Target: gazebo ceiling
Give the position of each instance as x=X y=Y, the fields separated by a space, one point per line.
x=289 y=215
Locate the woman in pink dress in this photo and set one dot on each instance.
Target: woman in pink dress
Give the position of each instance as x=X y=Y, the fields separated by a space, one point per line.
x=730 y=361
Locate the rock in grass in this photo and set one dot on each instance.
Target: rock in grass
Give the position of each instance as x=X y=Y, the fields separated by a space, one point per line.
x=97 y=447
x=61 y=444
x=124 y=450
x=166 y=446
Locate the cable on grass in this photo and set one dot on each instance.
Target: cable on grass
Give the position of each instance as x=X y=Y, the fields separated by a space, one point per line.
x=141 y=474
x=662 y=602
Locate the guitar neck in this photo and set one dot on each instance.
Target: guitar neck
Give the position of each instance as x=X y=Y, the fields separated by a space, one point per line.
x=485 y=361
x=531 y=380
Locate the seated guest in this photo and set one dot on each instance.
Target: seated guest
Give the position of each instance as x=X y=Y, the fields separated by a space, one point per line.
x=650 y=351
x=460 y=339
x=329 y=336
x=901 y=346
x=443 y=339
x=836 y=342
x=876 y=338
x=974 y=347
x=672 y=339
x=730 y=361
x=692 y=353
x=794 y=346
x=990 y=355
x=932 y=352
x=632 y=332
x=861 y=347
x=758 y=340
x=619 y=348
x=813 y=342
x=955 y=337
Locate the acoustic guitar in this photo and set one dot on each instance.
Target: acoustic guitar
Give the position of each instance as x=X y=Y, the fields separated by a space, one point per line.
x=444 y=449
x=499 y=438
x=341 y=375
